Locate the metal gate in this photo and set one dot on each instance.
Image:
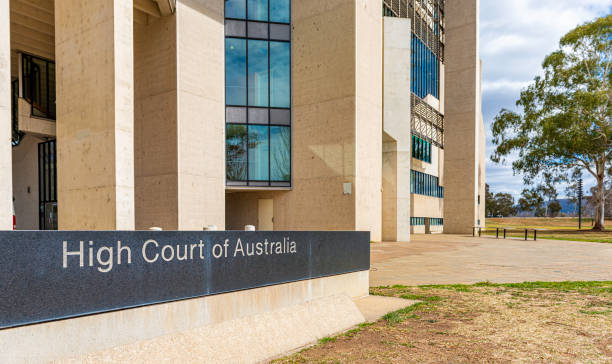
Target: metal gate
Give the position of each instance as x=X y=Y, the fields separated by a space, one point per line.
x=47 y=185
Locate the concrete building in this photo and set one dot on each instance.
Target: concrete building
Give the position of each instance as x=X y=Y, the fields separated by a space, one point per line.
x=286 y=115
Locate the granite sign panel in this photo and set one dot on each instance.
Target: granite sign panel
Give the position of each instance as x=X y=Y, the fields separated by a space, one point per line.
x=49 y=275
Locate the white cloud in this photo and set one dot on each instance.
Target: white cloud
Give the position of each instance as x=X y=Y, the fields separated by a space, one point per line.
x=515 y=36
x=503 y=85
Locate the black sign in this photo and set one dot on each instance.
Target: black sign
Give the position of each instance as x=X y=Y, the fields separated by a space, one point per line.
x=49 y=275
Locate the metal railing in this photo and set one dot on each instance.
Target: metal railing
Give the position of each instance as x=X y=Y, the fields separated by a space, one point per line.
x=523 y=231
x=426 y=122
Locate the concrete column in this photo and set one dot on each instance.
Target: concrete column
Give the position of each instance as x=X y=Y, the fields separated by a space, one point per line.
x=180 y=118
x=368 y=117
x=397 y=156
x=156 y=124
x=6 y=178
x=201 y=113
x=95 y=114
x=462 y=117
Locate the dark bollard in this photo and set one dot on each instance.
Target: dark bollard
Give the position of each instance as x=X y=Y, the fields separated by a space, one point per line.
x=497 y=233
x=535 y=235
x=504 y=233
x=474 y=232
x=479 y=232
x=526 y=234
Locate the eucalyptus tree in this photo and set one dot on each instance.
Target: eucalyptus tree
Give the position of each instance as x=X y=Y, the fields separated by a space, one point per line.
x=563 y=127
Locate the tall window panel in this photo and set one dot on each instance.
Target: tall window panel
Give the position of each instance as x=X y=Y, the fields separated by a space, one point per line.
x=425 y=70
x=425 y=184
x=258 y=92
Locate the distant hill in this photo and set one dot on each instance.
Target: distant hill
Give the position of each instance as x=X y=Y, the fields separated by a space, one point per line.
x=568 y=208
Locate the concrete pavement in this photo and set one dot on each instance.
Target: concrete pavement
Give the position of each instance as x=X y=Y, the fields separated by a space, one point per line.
x=443 y=259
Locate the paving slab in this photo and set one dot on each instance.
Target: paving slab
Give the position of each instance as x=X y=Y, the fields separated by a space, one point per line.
x=447 y=259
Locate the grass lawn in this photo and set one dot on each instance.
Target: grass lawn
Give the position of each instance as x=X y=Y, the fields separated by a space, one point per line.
x=559 y=228
x=528 y=322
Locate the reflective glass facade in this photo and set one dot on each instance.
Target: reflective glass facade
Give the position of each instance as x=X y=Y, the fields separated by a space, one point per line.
x=258 y=92
x=425 y=184
x=425 y=70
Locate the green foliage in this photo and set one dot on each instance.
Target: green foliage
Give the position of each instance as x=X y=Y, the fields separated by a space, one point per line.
x=419 y=297
x=403 y=314
x=564 y=126
x=499 y=204
x=554 y=208
x=326 y=340
x=531 y=200
x=585 y=287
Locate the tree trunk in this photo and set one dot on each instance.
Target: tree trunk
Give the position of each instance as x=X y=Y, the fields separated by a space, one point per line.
x=599 y=224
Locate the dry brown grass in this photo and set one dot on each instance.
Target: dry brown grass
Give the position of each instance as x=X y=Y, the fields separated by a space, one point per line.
x=481 y=323
x=556 y=223
x=558 y=228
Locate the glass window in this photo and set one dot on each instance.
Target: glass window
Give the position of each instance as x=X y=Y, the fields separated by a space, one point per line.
x=258 y=92
x=235 y=71
x=235 y=9
x=236 y=152
x=259 y=153
x=280 y=74
x=258 y=10
x=280 y=11
x=258 y=72
x=280 y=153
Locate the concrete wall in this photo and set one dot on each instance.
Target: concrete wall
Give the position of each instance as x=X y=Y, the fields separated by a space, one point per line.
x=155 y=124
x=95 y=114
x=201 y=113
x=397 y=137
x=33 y=125
x=337 y=119
x=260 y=311
x=6 y=188
x=426 y=206
x=462 y=110
x=25 y=183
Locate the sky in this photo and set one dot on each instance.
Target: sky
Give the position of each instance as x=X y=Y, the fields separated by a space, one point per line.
x=515 y=36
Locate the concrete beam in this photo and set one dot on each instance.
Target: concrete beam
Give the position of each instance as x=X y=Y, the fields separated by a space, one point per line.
x=95 y=114
x=166 y=7
x=148 y=7
x=6 y=164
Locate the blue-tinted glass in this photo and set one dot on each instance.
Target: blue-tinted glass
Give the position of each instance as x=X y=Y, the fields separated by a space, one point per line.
x=280 y=74
x=235 y=71
x=258 y=153
x=258 y=10
x=280 y=11
x=280 y=153
x=235 y=9
x=235 y=152
x=258 y=73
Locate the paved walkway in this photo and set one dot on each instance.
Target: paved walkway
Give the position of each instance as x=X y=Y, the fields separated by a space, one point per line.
x=443 y=259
